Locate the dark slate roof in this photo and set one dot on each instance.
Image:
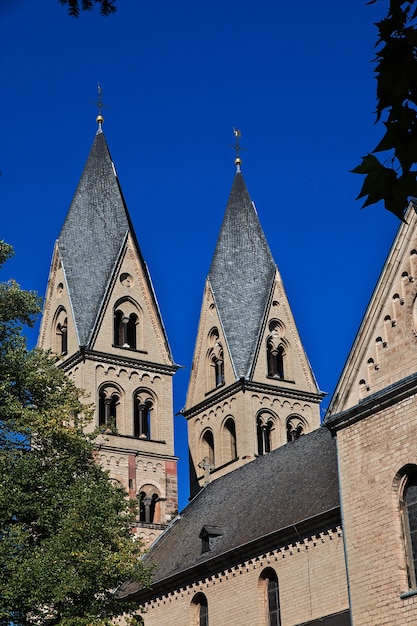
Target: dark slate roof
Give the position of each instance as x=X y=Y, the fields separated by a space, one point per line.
x=292 y=484
x=241 y=276
x=92 y=236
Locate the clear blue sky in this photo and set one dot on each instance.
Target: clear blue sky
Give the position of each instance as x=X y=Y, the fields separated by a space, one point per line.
x=295 y=77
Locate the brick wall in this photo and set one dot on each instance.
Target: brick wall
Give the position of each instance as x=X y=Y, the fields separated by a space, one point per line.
x=371 y=453
x=312 y=583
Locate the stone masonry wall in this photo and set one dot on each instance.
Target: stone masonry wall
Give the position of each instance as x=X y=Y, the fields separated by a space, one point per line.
x=371 y=454
x=312 y=584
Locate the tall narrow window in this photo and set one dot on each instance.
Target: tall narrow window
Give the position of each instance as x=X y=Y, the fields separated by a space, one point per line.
x=200 y=610
x=131 y=331
x=229 y=440
x=63 y=331
x=142 y=508
x=147 y=507
x=152 y=507
x=273 y=603
x=60 y=332
x=275 y=356
x=109 y=400
x=263 y=431
x=215 y=361
x=142 y=417
x=126 y=325
x=294 y=428
x=410 y=526
x=270 y=597
x=208 y=446
x=219 y=369
x=118 y=329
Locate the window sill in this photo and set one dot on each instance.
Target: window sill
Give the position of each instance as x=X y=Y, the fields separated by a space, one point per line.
x=151 y=525
x=129 y=349
x=215 y=389
x=408 y=594
x=216 y=469
x=121 y=436
x=283 y=380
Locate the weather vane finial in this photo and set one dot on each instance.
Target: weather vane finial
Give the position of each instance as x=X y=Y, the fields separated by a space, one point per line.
x=99 y=103
x=238 y=161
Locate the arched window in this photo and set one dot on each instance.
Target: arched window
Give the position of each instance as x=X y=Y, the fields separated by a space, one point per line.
x=131 y=330
x=409 y=507
x=109 y=400
x=264 y=425
x=148 y=500
x=143 y=406
x=270 y=597
x=118 y=328
x=275 y=356
x=229 y=440
x=142 y=510
x=63 y=331
x=60 y=341
x=218 y=363
x=276 y=351
x=295 y=428
x=125 y=325
x=215 y=361
x=207 y=446
x=199 y=608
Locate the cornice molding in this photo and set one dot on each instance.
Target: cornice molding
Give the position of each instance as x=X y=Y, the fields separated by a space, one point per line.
x=104 y=446
x=114 y=359
x=247 y=385
x=373 y=404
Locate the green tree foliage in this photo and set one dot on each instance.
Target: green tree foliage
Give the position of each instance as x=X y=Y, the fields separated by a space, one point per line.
x=107 y=7
x=394 y=180
x=65 y=535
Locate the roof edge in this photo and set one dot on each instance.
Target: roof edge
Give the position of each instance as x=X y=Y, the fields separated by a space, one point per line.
x=323 y=521
x=373 y=404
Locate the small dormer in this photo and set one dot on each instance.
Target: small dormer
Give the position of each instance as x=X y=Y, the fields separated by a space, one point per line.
x=210 y=537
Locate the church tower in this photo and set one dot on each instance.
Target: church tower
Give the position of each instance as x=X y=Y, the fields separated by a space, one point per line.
x=102 y=318
x=251 y=388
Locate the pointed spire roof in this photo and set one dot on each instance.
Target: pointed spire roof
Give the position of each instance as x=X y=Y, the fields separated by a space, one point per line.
x=241 y=276
x=92 y=236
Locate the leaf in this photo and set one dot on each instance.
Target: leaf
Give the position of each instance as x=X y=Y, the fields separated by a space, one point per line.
x=401 y=136
x=378 y=180
x=396 y=75
x=369 y=164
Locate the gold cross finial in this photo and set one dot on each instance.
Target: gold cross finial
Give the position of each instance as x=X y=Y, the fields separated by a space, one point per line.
x=99 y=103
x=238 y=161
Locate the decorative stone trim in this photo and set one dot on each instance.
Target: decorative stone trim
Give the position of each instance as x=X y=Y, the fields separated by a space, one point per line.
x=373 y=404
x=104 y=357
x=246 y=385
x=256 y=563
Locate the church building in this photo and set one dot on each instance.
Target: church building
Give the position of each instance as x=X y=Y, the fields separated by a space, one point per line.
x=261 y=541
x=290 y=522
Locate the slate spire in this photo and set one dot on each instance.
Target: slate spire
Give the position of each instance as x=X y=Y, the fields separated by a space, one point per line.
x=92 y=236
x=241 y=276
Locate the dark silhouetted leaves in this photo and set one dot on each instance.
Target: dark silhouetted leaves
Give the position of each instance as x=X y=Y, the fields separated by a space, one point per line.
x=396 y=74
x=107 y=7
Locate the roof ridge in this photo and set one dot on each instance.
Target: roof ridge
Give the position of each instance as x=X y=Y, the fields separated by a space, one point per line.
x=92 y=236
x=241 y=274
